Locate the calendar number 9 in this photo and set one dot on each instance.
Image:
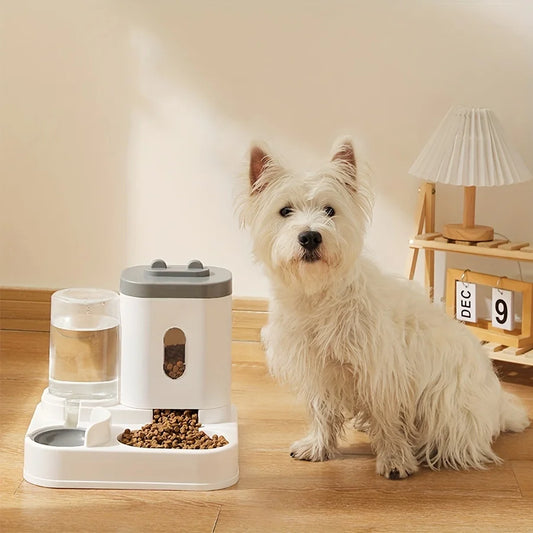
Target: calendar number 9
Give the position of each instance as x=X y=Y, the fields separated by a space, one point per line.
x=501 y=310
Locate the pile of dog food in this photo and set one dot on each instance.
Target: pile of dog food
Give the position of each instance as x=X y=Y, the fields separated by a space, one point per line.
x=172 y=428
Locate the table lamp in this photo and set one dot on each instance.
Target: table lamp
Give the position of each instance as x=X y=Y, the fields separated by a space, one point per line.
x=469 y=148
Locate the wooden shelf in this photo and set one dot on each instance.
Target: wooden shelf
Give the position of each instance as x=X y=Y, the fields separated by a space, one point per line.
x=520 y=251
x=508 y=354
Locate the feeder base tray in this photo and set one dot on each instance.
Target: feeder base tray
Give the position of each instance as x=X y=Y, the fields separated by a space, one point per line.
x=89 y=455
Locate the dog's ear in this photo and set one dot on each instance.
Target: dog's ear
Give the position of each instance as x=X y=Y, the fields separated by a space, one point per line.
x=344 y=157
x=345 y=153
x=259 y=161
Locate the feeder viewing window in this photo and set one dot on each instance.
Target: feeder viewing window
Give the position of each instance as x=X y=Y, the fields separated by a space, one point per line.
x=174 y=359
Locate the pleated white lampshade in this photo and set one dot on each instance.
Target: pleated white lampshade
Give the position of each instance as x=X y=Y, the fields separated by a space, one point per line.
x=469 y=148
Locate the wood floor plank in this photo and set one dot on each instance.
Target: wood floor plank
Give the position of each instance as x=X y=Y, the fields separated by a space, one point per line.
x=81 y=510
x=523 y=470
x=345 y=511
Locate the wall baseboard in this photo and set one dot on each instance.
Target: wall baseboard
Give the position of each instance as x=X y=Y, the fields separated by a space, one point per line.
x=24 y=309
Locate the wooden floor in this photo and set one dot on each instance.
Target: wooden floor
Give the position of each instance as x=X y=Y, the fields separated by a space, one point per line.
x=274 y=493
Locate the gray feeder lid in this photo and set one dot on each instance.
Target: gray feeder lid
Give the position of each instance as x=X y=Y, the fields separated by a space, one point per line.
x=175 y=281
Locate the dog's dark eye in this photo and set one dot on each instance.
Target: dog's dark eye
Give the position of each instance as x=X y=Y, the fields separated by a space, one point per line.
x=286 y=211
x=329 y=211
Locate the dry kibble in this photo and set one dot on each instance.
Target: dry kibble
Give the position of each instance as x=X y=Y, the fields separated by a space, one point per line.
x=174 y=365
x=172 y=428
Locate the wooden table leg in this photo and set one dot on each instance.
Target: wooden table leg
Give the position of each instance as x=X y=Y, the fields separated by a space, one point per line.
x=425 y=218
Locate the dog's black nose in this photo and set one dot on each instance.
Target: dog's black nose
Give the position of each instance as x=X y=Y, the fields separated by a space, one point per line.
x=310 y=240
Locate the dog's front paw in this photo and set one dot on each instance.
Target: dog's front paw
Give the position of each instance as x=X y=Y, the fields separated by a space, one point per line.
x=307 y=449
x=392 y=469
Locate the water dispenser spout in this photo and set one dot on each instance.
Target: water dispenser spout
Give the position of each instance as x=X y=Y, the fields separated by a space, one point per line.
x=99 y=431
x=72 y=412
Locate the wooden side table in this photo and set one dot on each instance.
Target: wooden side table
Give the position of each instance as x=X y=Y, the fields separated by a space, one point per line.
x=498 y=249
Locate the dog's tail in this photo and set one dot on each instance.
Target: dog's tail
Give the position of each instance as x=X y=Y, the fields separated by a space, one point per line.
x=513 y=415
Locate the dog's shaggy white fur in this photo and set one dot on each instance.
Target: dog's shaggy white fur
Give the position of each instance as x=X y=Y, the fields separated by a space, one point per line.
x=358 y=344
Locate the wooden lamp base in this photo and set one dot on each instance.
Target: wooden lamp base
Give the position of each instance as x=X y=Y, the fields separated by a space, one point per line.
x=459 y=232
x=468 y=230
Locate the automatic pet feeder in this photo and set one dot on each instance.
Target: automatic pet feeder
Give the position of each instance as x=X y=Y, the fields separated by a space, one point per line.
x=175 y=341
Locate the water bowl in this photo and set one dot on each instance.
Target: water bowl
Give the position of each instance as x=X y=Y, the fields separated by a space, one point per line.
x=61 y=436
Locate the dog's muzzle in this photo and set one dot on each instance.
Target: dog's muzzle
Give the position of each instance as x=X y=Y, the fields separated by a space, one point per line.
x=310 y=241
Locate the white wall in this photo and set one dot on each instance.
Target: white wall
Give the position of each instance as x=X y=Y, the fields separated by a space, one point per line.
x=124 y=123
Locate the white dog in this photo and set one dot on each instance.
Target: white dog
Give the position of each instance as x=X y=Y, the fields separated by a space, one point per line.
x=358 y=344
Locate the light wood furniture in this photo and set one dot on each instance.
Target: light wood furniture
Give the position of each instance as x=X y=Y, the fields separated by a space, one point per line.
x=521 y=337
x=427 y=239
x=275 y=493
x=468 y=230
x=430 y=241
x=500 y=249
x=424 y=224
